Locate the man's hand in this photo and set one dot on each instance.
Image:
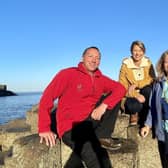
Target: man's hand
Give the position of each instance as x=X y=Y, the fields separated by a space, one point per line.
x=48 y=137
x=145 y=131
x=99 y=111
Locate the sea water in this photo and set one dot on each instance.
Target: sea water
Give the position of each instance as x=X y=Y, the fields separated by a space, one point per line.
x=14 y=107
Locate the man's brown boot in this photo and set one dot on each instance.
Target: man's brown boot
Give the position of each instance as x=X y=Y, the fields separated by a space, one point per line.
x=110 y=143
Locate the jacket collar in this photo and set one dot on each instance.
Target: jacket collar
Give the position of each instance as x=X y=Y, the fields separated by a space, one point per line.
x=81 y=68
x=130 y=63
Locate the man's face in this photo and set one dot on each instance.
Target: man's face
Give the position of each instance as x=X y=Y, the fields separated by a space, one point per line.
x=91 y=60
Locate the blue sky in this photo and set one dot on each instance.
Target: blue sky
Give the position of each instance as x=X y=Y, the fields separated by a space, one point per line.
x=40 y=37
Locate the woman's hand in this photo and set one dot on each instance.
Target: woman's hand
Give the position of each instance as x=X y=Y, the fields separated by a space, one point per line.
x=145 y=131
x=140 y=98
x=48 y=137
x=131 y=88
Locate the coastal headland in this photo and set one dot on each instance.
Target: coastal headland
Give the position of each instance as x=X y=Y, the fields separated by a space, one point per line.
x=5 y=92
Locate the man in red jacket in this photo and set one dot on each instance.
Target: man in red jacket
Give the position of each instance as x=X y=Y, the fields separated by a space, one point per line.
x=84 y=121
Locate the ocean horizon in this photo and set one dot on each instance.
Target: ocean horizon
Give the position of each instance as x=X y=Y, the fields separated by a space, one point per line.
x=15 y=107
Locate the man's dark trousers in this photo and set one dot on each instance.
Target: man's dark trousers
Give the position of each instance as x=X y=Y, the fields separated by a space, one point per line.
x=83 y=140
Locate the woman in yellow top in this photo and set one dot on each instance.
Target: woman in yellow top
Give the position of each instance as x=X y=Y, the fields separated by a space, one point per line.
x=136 y=74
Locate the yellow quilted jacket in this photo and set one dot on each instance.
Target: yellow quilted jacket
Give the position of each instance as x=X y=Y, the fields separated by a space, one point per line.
x=140 y=76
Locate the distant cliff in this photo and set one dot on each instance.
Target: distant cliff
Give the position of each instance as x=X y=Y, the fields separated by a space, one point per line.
x=5 y=92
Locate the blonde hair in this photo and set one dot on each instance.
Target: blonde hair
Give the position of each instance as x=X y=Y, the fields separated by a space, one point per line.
x=159 y=66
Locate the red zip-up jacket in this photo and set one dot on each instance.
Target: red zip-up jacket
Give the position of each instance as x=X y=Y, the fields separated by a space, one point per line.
x=77 y=93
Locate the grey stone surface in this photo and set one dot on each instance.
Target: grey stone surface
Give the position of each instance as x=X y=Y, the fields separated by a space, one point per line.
x=12 y=131
x=147 y=149
x=148 y=152
x=121 y=126
x=29 y=153
x=32 y=118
